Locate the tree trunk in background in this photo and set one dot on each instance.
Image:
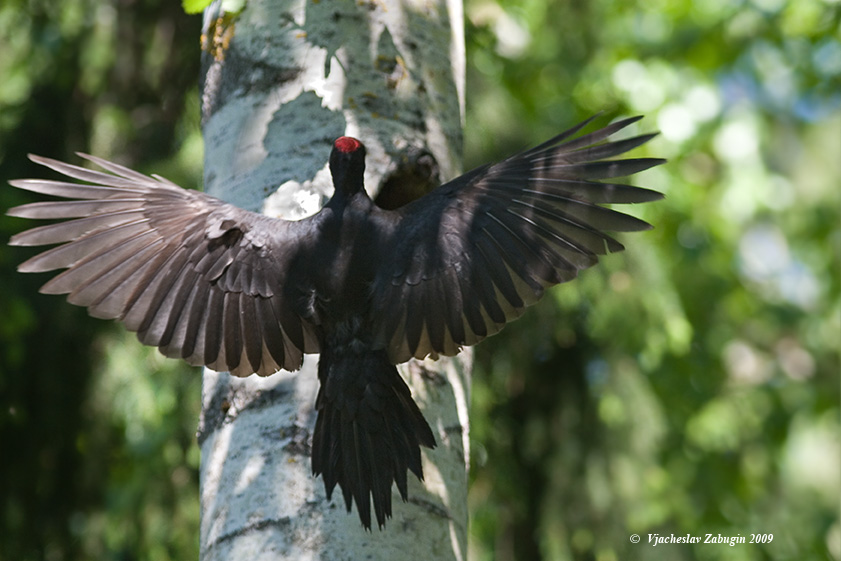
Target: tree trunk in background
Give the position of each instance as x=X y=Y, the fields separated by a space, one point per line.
x=280 y=81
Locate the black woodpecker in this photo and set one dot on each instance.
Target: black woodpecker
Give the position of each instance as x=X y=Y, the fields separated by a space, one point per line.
x=366 y=288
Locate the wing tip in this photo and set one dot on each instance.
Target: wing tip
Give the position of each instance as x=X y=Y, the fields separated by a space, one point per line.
x=16 y=212
x=649 y=195
x=19 y=183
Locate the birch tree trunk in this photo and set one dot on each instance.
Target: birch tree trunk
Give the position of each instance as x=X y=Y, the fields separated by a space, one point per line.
x=280 y=81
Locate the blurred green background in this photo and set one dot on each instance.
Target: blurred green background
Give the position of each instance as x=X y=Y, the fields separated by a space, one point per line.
x=689 y=385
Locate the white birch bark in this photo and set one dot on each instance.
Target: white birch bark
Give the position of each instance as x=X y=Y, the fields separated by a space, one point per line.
x=281 y=80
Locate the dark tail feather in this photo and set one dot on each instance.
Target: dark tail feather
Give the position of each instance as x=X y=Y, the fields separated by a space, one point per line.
x=368 y=431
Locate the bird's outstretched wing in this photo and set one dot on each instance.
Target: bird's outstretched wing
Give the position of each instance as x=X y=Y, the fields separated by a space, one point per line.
x=472 y=254
x=198 y=278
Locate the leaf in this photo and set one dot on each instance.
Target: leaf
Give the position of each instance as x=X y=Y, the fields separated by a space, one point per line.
x=195 y=6
x=233 y=6
x=228 y=6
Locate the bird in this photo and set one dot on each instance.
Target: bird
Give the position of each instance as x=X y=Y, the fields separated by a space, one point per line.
x=366 y=288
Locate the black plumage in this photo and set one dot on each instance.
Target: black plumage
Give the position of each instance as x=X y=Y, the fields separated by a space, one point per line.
x=368 y=288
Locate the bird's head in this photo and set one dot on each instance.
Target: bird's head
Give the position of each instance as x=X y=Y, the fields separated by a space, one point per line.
x=347 y=165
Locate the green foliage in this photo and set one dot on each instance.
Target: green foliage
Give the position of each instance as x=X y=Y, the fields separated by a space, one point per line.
x=686 y=386
x=689 y=385
x=98 y=434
